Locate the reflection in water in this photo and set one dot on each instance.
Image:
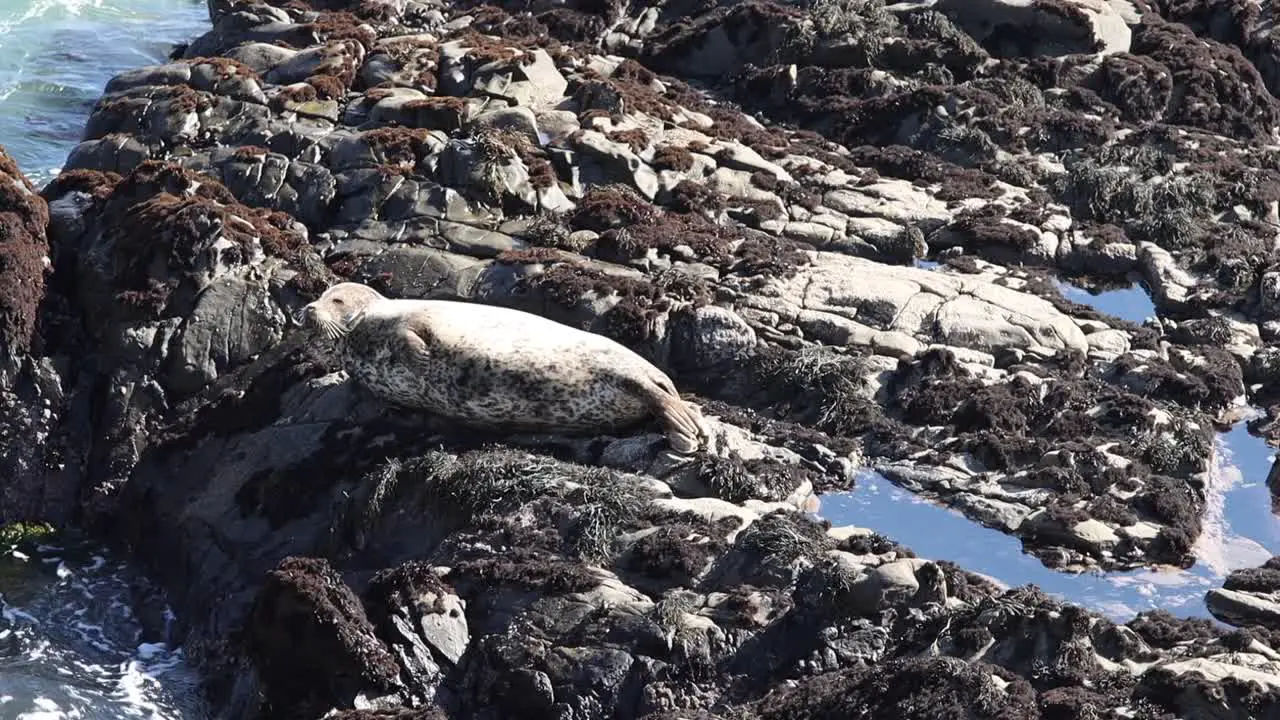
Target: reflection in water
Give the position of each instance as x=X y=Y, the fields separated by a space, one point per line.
x=1246 y=499
x=939 y=533
x=1130 y=303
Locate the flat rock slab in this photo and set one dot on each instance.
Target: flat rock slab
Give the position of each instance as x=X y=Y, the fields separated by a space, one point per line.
x=856 y=297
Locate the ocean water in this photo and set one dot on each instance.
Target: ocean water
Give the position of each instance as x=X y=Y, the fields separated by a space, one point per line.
x=71 y=645
x=57 y=55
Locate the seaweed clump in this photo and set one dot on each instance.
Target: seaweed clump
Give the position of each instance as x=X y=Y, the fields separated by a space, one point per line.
x=24 y=251
x=310 y=641
x=909 y=689
x=165 y=216
x=818 y=387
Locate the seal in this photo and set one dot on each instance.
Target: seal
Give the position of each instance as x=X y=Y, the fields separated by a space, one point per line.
x=498 y=368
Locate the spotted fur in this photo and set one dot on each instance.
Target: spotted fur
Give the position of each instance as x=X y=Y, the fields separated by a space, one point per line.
x=498 y=368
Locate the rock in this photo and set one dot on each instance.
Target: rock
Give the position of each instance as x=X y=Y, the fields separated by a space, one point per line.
x=1205 y=679
x=419 y=111
x=172 y=74
x=119 y=154
x=605 y=161
x=446 y=631
x=890 y=200
x=840 y=293
x=1250 y=597
x=39 y=429
x=890 y=584
x=1109 y=341
x=1168 y=282
x=516 y=119
x=233 y=320
x=333 y=59
x=1269 y=293
x=325 y=626
x=408 y=61
x=301 y=189
x=718 y=45
x=1243 y=609
x=1094 y=533
x=710 y=337
x=1063 y=27
x=532 y=82
x=845 y=251
x=872 y=229
x=736 y=156
x=902 y=678
x=262 y=57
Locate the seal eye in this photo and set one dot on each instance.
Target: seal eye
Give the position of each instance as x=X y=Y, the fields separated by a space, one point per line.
x=338 y=302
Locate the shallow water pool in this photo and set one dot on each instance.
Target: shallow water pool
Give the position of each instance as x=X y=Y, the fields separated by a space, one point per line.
x=1239 y=528
x=1239 y=531
x=1130 y=303
x=939 y=533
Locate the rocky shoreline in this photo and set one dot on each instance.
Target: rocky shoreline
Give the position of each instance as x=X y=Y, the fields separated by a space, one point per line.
x=742 y=192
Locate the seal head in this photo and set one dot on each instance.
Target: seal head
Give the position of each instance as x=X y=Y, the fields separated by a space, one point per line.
x=338 y=310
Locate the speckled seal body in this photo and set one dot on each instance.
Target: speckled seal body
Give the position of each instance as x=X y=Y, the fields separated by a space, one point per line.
x=498 y=368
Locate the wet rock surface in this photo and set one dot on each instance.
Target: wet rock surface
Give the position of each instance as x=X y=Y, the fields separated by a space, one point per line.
x=1249 y=597
x=739 y=191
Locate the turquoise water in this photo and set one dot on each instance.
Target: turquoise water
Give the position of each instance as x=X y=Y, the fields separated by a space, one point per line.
x=56 y=56
x=71 y=645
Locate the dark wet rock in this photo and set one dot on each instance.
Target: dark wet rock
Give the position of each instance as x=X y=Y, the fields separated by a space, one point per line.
x=38 y=430
x=306 y=624
x=924 y=688
x=1249 y=597
x=260 y=178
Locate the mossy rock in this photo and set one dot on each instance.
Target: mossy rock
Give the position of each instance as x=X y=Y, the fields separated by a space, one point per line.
x=23 y=533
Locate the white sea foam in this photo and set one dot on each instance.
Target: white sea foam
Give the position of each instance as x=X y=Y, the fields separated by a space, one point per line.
x=77 y=643
x=41 y=8
x=70 y=645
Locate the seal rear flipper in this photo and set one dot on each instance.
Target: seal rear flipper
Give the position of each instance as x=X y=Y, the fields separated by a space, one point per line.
x=686 y=430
